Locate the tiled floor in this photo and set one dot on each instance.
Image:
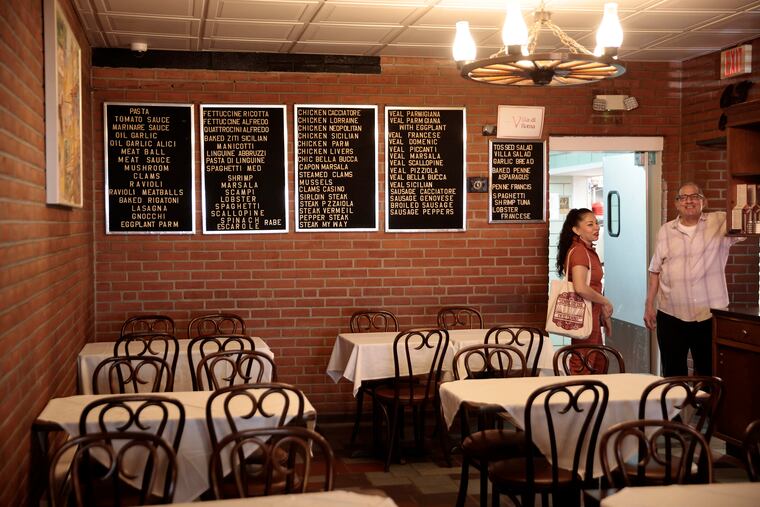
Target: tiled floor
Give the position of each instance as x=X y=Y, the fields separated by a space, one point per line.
x=426 y=480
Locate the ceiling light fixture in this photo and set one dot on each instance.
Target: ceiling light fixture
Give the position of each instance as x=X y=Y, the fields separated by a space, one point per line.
x=516 y=63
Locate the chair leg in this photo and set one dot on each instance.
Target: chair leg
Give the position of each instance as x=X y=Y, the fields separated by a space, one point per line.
x=464 y=479
x=357 y=418
x=443 y=438
x=484 y=484
x=393 y=431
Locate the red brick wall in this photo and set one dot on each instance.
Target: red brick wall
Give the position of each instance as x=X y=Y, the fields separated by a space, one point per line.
x=46 y=276
x=297 y=290
x=702 y=89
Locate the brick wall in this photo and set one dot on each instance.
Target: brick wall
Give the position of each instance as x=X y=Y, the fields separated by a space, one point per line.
x=297 y=290
x=702 y=89
x=46 y=277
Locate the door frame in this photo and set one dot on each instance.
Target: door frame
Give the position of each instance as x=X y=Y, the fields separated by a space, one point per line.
x=656 y=195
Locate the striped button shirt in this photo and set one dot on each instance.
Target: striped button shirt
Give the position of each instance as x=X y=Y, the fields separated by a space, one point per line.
x=692 y=269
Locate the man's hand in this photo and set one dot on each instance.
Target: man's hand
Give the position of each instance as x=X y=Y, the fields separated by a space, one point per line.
x=650 y=317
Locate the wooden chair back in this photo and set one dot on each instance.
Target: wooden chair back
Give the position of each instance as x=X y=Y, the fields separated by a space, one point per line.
x=216 y=324
x=162 y=345
x=368 y=321
x=460 y=317
x=279 y=403
x=148 y=324
x=158 y=415
x=528 y=339
x=751 y=445
x=202 y=346
x=563 y=401
x=125 y=452
x=284 y=458
x=233 y=367
x=589 y=359
x=667 y=446
x=489 y=361
x=133 y=374
x=415 y=378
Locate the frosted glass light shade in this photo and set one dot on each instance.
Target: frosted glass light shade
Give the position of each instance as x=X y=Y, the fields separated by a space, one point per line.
x=464 y=45
x=610 y=32
x=515 y=31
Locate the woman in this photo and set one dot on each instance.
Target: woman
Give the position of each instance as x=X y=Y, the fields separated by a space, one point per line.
x=576 y=251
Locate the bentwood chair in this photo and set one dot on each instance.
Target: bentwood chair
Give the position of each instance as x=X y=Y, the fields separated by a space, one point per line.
x=216 y=324
x=583 y=359
x=665 y=446
x=133 y=374
x=459 y=317
x=158 y=415
x=751 y=444
x=284 y=464
x=278 y=403
x=161 y=345
x=94 y=484
x=148 y=324
x=369 y=321
x=580 y=405
x=210 y=344
x=528 y=339
x=232 y=367
x=701 y=401
x=418 y=356
x=488 y=441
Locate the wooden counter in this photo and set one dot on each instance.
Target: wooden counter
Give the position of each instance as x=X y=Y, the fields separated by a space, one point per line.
x=736 y=359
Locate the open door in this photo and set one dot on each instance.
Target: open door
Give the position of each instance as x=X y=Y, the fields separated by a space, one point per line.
x=625 y=255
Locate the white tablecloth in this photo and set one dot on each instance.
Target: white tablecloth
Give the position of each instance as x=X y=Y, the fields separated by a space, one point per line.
x=325 y=499
x=195 y=447
x=512 y=394
x=734 y=494
x=93 y=353
x=368 y=356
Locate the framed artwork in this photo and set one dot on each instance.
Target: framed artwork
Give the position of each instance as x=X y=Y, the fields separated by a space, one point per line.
x=63 y=109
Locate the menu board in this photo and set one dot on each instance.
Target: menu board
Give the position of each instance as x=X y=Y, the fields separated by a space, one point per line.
x=336 y=167
x=425 y=169
x=244 y=157
x=517 y=192
x=149 y=168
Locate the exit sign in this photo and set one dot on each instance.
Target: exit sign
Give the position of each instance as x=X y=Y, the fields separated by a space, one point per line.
x=736 y=61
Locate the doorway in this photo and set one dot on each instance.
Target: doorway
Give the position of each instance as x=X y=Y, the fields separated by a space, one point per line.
x=619 y=179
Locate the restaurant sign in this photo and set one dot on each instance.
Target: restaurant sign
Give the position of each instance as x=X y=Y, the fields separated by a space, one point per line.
x=520 y=122
x=736 y=61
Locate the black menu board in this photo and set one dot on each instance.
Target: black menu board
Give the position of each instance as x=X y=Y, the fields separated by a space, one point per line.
x=149 y=168
x=425 y=169
x=243 y=152
x=336 y=167
x=517 y=192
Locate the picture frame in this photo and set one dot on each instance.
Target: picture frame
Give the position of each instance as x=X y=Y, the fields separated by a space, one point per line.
x=63 y=109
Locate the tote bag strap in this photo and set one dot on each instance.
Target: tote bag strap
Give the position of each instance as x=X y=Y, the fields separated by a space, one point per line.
x=567 y=265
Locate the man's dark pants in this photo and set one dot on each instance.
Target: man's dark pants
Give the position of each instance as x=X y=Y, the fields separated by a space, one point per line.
x=676 y=337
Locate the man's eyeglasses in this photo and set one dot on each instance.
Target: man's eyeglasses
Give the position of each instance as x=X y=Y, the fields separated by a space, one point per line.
x=689 y=197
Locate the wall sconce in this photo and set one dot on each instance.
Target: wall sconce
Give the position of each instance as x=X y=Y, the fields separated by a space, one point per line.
x=614 y=103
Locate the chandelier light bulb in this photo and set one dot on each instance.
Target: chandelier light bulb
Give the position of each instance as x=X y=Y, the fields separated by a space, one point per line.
x=610 y=32
x=464 y=45
x=515 y=31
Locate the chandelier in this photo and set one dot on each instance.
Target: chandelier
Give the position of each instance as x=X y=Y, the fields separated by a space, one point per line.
x=516 y=63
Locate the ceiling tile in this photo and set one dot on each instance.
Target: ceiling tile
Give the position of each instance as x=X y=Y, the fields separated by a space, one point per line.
x=705 y=40
x=153 y=7
x=418 y=51
x=319 y=32
x=391 y=13
x=158 y=26
x=257 y=46
x=707 y=5
x=426 y=35
x=261 y=10
x=675 y=21
x=123 y=40
x=440 y=16
x=749 y=21
x=240 y=30
x=653 y=55
x=333 y=49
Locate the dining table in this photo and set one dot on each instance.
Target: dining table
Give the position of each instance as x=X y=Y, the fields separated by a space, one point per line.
x=510 y=395
x=358 y=357
x=94 y=352
x=337 y=498
x=195 y=446
x=733 y=494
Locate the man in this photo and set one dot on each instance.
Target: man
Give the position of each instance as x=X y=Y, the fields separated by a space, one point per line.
x=688 y=273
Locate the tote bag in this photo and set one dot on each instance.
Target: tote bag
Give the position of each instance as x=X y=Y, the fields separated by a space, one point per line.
x=568 y=313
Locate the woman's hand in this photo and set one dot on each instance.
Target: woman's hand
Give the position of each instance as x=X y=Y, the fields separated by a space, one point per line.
x=607 y=309
x=607 y=327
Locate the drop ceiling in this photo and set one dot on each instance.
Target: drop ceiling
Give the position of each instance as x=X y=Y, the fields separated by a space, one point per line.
x=655 y=30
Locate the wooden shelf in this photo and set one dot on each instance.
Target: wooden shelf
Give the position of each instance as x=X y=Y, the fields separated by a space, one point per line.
x=743 y=150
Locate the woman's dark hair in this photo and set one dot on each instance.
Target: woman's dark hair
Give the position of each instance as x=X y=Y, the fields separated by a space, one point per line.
x=567 y=235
